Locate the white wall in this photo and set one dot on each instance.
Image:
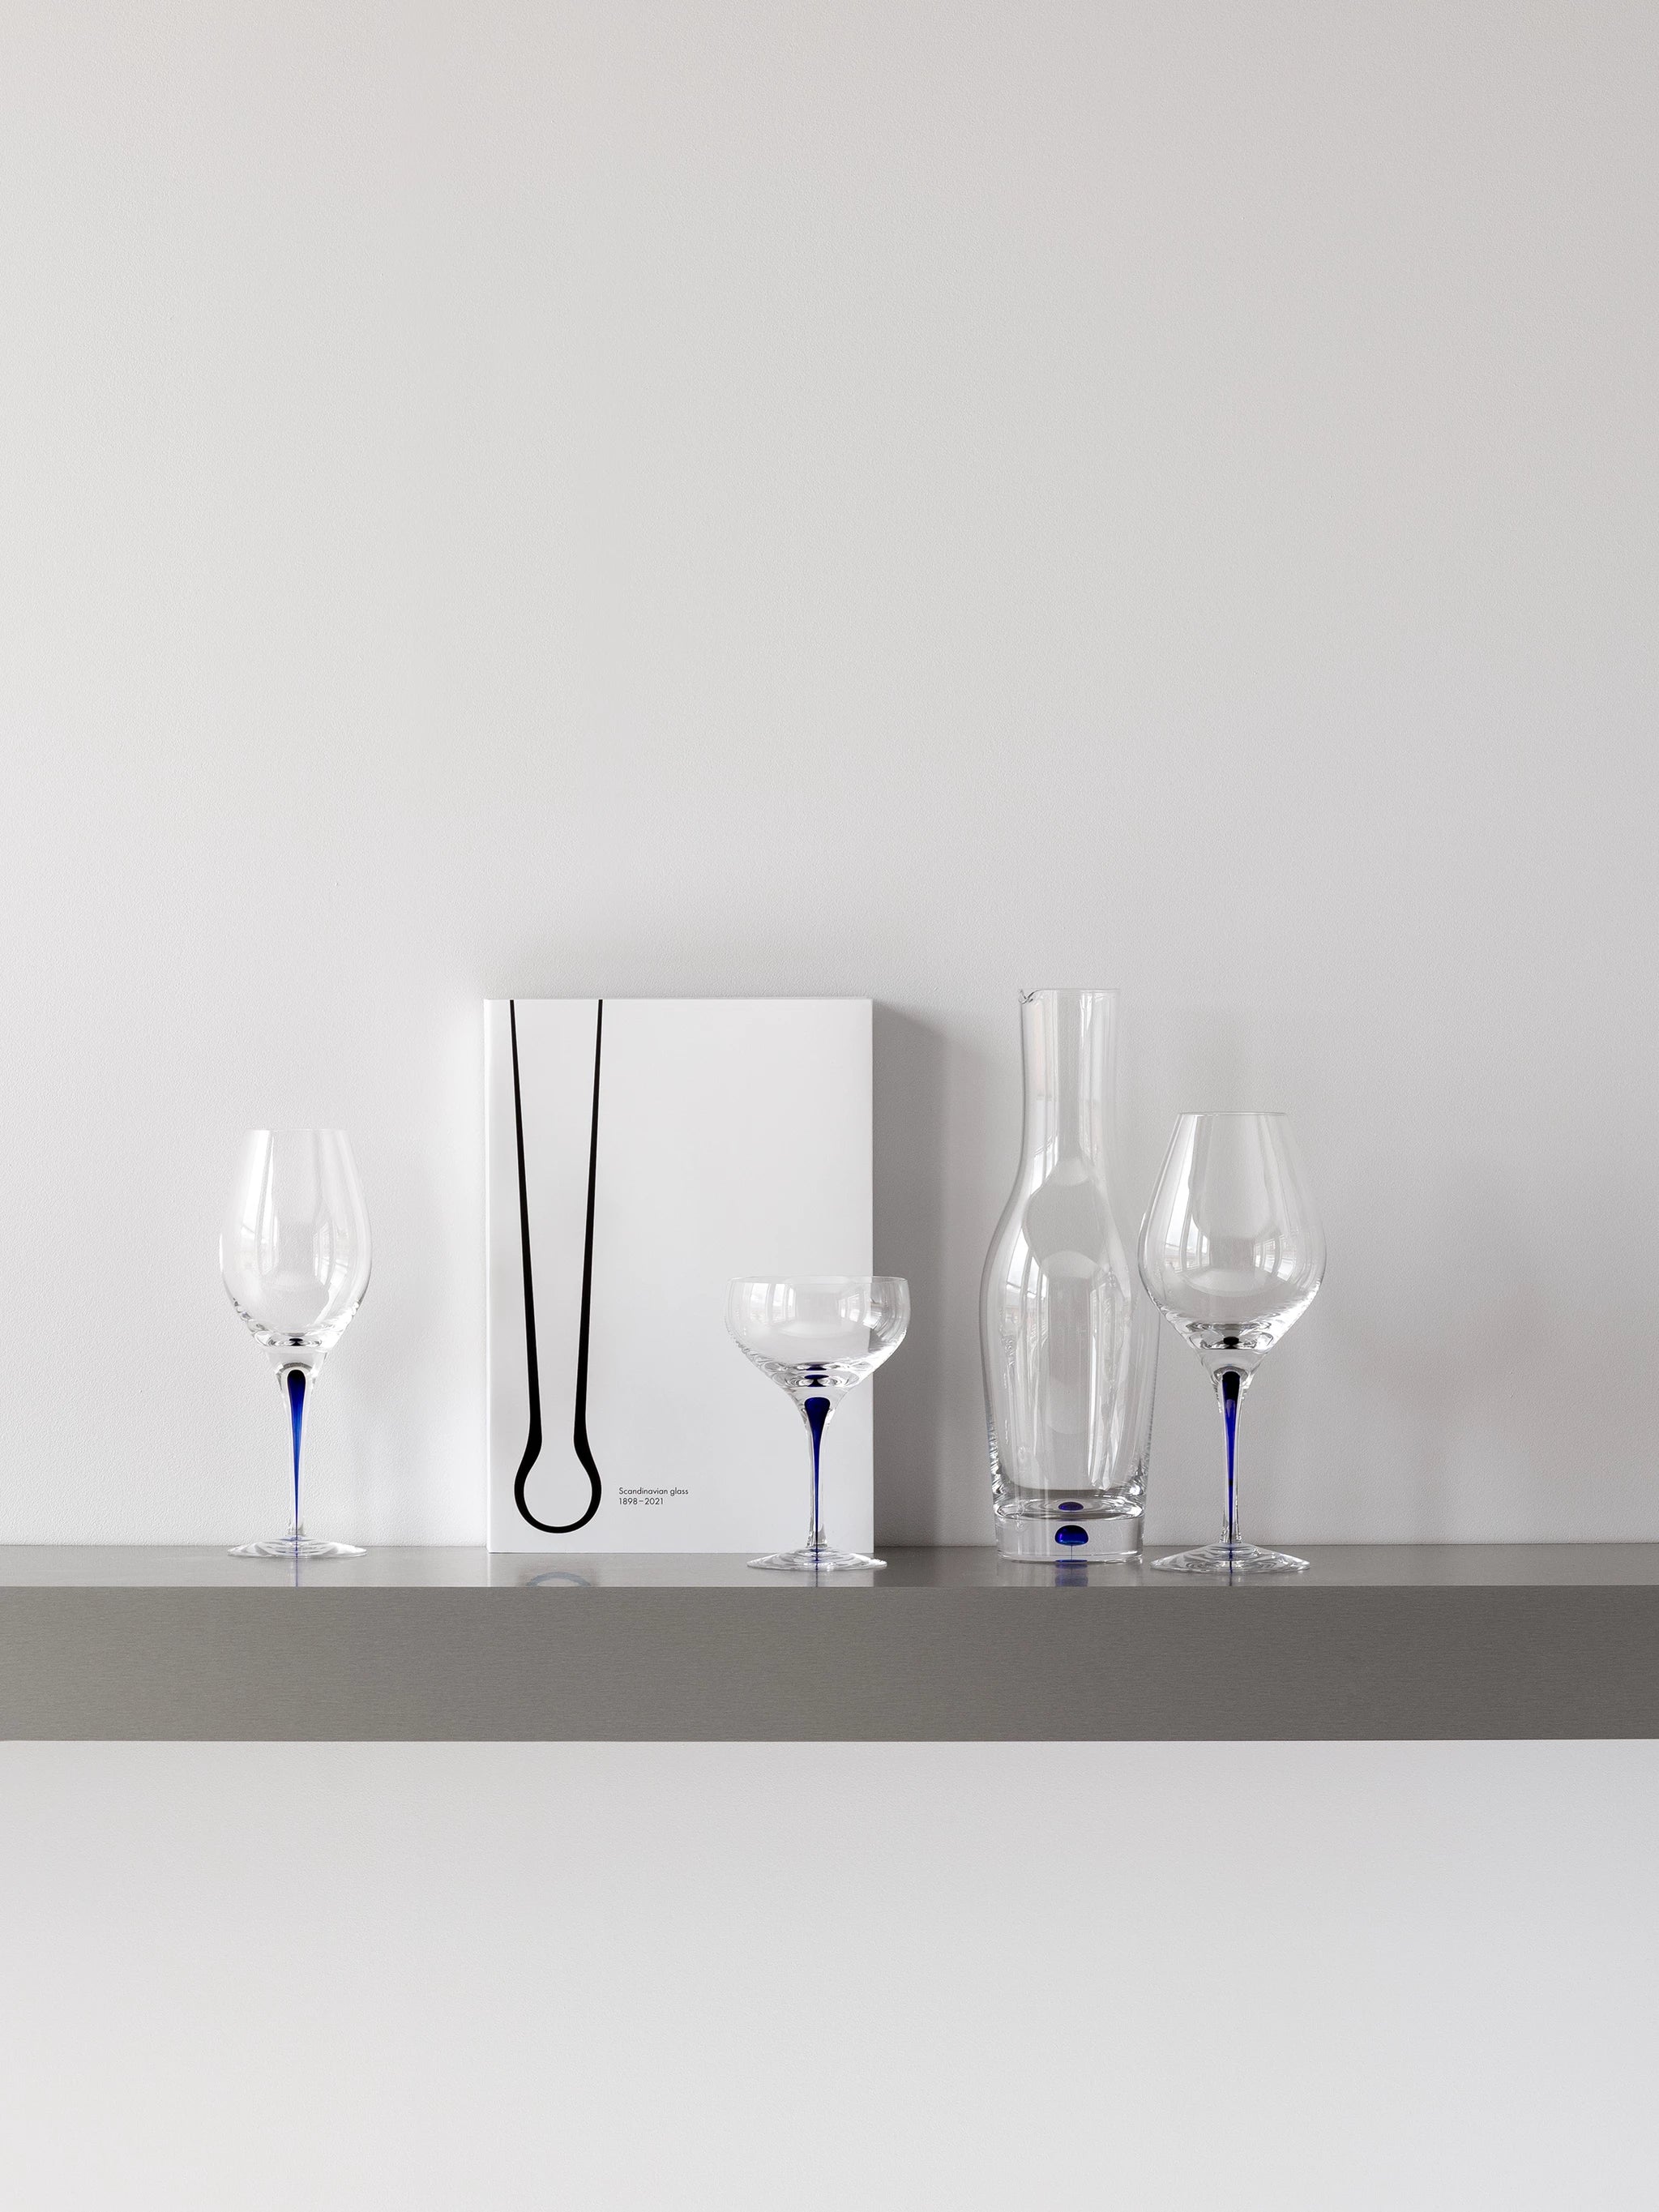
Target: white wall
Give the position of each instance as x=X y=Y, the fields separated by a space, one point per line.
x=246 y=1977
x=893 y=498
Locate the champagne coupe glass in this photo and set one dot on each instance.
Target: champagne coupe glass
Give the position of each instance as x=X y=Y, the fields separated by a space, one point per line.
x=1232 y=1252
x=818 y=1337
x=294 y=1253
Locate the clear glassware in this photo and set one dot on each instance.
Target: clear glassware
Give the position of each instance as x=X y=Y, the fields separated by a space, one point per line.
x=1068 y=1339
x=818 y=1337
x=1233 y=1252
x=294 y=1251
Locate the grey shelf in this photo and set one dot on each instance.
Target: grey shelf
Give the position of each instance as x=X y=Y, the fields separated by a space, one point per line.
x=1436 y=1642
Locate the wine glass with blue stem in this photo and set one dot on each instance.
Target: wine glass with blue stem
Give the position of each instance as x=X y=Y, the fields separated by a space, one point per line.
x=1233 y=1253
x=294 y=1251
x=817 y=1337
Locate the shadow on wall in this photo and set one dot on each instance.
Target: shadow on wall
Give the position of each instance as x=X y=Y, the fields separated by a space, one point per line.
x=1441 y=1387
x=933 y=1093
x=947 y=1122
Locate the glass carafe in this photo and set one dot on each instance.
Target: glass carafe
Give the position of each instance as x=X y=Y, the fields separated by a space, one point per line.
x=1069 y=1337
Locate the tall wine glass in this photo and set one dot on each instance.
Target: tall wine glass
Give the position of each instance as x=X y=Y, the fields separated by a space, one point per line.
x=1232 y=1252
x=295 y=1254
x=818 y=1337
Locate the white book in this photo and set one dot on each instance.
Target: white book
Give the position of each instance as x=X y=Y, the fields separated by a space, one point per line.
x=641 y=1153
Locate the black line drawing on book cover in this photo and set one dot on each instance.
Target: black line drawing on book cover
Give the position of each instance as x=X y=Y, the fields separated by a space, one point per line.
x=583 y=1449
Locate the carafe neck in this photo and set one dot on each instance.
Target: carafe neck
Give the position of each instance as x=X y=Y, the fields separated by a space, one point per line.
x=1069 y=1041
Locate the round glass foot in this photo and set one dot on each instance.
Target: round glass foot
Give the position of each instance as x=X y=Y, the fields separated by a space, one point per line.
x=1232 y=1559
x=296 y=1545
x=816 y=1560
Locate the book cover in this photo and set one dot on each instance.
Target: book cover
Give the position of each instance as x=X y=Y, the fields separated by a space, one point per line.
x=641 y=1153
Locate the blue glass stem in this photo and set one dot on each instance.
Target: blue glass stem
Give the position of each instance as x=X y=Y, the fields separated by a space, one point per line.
x=294 y=1389
x=1228 y=1385
x=817 y=1412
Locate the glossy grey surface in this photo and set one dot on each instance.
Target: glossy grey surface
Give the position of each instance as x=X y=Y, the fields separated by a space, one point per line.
x=959 y=1567
x=1443 y=1641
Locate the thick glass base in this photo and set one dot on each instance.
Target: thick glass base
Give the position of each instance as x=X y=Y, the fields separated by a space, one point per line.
x=817 y=1559
x=1226 y=1559
x=1079 y=1535
x=296 y=1545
